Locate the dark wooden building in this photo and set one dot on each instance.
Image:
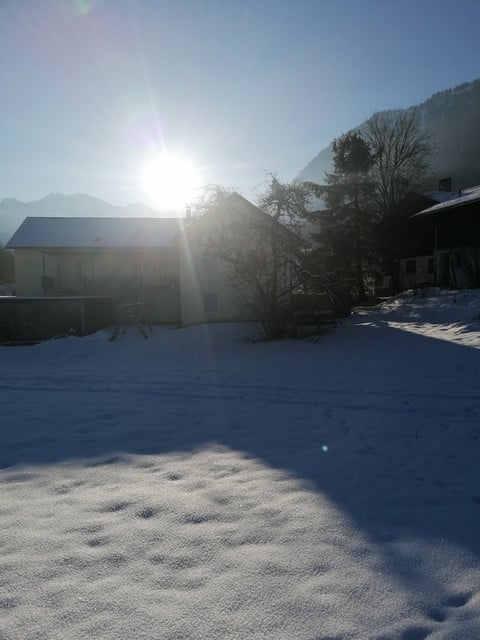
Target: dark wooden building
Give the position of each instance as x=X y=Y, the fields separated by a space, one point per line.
x=452 y=229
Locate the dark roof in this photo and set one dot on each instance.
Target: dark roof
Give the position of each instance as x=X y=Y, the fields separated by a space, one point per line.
x=465 y=197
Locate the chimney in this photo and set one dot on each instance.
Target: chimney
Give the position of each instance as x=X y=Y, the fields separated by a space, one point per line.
x=445 y=184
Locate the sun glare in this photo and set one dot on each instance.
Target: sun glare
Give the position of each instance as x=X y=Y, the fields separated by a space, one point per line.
x=170 y=181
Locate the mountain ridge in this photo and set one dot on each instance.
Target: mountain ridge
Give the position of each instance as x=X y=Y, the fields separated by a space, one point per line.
x=452 y=118
x=14 y=211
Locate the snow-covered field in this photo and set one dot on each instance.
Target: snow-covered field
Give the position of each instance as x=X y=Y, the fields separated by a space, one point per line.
x=199 y=486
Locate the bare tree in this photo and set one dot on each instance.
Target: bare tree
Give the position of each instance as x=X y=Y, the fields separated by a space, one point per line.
x=212 y=195
x=287 y=205
x=401 y=153
x=263 y=246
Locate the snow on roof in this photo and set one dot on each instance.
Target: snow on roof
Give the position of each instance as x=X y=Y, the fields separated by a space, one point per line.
x=72 y=233
x=442 y=196
x=465 y=196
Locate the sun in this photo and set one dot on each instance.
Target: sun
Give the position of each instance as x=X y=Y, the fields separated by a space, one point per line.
x=170 y=180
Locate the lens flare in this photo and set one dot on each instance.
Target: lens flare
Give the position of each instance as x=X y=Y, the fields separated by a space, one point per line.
x=170 y=180
x=83 y=7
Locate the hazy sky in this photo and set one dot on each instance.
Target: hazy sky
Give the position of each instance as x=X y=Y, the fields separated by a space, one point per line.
x=90 y=88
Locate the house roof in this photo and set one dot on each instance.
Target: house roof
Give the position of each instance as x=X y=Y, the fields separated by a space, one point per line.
x=441 y=196
x=233 y=202
x=240 y=203
x=465 y=196
x=87 y=233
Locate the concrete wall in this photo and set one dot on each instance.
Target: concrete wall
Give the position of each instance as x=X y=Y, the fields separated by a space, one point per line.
x=24 y=319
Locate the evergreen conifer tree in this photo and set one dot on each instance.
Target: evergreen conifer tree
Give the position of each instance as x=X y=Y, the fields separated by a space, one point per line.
x=345 y=226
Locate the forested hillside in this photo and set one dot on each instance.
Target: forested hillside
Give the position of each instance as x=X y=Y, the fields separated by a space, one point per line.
x=452 y=118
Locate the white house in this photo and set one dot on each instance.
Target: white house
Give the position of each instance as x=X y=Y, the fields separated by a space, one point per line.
x=163 y=263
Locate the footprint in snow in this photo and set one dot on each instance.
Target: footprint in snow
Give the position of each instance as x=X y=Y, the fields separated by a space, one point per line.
x=114 y=507
x=415 y=633
x=437 y=615
x=97 y=542
x=457 y=600
x=145 y=513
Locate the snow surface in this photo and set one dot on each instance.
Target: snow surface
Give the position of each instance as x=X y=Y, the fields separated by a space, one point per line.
x=199 y=486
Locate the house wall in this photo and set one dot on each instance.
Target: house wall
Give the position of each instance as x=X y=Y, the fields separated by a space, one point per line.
x=206 y=292
x=452 y=269
x=458 y=227
x=416 y=272
x=206 y=288
x=148 y=276
x=7 y=266
x=28 y=272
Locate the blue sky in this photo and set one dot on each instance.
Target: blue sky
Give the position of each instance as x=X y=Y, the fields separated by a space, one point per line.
x=91 y=88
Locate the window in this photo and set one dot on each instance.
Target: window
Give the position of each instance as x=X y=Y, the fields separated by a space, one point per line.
x=210 y=302
x=411 y=267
